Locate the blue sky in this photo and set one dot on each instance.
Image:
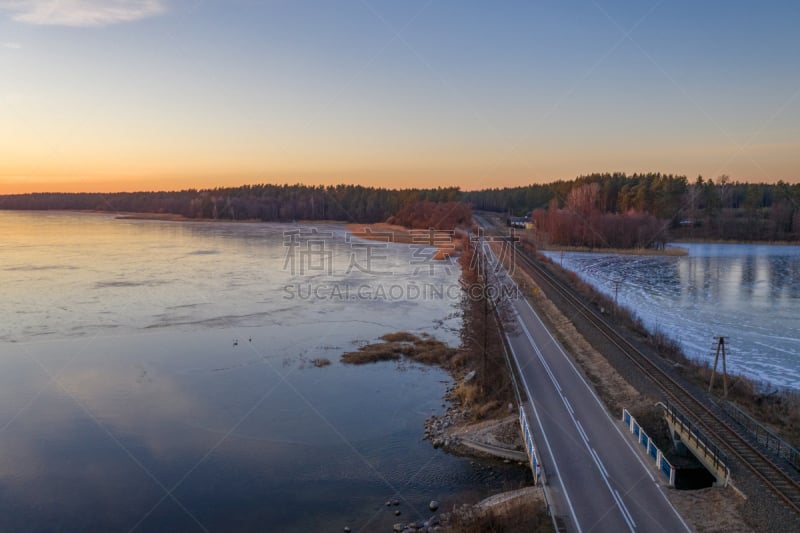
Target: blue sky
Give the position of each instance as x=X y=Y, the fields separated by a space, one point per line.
x=168 y=93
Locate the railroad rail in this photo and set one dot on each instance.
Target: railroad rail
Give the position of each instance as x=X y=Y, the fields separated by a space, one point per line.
x=774 y=478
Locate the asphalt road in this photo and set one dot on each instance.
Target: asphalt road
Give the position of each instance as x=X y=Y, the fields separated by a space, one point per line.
x=594 y=476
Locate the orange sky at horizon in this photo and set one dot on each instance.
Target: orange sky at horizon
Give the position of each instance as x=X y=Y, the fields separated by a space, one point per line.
x=323 y=94
x=29 y=185
x=474 y=175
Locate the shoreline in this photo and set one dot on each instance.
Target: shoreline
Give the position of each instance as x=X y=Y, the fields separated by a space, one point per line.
x=360 y=226
x=724 y=241
x=493 y=444
x=673 y=251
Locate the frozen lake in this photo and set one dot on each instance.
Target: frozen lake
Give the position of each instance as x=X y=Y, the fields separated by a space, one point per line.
x=157 y=376
x=749 y=293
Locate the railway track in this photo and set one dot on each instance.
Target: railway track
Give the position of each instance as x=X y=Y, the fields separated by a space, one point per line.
x=726 y=437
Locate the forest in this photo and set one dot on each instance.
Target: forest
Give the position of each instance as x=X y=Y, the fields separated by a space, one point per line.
x=265 y=202
x=616 y=210
x=610 y=209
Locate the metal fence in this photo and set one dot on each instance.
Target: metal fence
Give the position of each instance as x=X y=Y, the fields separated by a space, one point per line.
x=711 y=451
x=763 y=436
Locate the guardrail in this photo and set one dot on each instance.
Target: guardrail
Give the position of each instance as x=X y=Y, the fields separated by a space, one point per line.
x=764 y=437
x=530 y=449
x=664 y=466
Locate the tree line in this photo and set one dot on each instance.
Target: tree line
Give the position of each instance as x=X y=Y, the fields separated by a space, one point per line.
x=710 y=209
x=264 y=202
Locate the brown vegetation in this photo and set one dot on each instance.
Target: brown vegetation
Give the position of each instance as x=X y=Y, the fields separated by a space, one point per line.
x=448 y=243
x=424 y=350
x=582 y=223
x=518 y=511
x=482 y=343
x=437 y=215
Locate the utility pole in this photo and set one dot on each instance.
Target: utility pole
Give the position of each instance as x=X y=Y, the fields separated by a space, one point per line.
x=617 y=282
x=720 y=350
x=485 y=296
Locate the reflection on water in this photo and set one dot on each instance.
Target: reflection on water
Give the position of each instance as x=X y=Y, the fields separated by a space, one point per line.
x=750 y=293
x=157 y=375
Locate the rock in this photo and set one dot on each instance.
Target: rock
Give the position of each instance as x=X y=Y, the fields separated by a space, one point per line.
x=395 y=502
x=388 y=503
x=434 y=505
x=398 y=527
x=397 y=512
x=347 y=529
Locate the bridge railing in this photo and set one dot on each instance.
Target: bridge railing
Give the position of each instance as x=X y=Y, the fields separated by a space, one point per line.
x=763 y=436
x=711 y=451
x=530 y=449
x=664 y=466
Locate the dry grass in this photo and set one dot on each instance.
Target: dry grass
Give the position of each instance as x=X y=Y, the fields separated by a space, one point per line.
x=442 y=254
x=372 y=353
x=381 y=231
x=385 y=232
x=467 y=394
x=522 y=515
x=426 y=350
x=400 y=336
x=487 y=409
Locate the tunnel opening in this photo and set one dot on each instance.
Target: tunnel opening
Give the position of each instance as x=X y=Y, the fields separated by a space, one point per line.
x=693 y=478
x=690 y=473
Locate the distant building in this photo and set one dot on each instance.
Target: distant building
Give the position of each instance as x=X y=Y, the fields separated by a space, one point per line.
x=524 y=222
x=517 y=222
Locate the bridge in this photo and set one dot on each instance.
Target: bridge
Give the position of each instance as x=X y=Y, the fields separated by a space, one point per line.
x=686 y=435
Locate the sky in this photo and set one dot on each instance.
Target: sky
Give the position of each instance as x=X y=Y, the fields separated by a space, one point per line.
x=110 y=95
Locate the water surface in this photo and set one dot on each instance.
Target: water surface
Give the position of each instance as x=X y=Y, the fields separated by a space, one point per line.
x=157 y=376
x=748 y=293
